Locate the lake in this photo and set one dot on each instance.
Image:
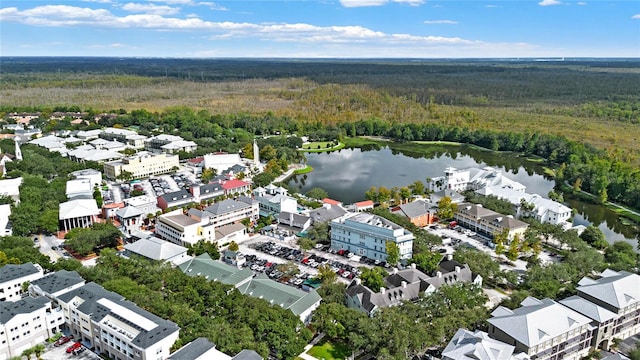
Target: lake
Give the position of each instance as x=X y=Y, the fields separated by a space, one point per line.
x=348 y=173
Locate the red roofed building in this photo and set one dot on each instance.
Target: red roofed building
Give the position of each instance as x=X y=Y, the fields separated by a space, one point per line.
x=363 y=206
x=235 y=186
x=331 y=202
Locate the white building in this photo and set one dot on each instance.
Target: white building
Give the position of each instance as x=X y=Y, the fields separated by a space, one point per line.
x=183 y=229
x=542 y=209
x=467 y=345
x=11 y=187
x=13 y=276
x=56 y=284
x=78 y=213
x=114 y=326
x=142 y=165
x=92 y=175
x=471 y=179
x=5 y=224
x=25 y=323
x=221 y=162
x=157 y=249
x=367 y=235
x=79 y=189
x=272 y=201
x=169 y=144
x=144 y=203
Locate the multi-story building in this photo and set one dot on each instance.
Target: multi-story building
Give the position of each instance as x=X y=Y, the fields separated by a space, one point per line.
x=175 y=199
x=25 y=323
x=183 y=229
x=56 y=284
x=221 y=161
x=273 y=202
x=421 y=213
x=169 y=144
x=467 y=345
x=235 y=187
x=142 y=165
x=144 y=203
x=116 y=327
x=12 y=277
x=543 y=329
x=124 y=136
x=79 y=213
x=367 y=235
x=612 y=302
x=488 y=222
x=471 y=179
x=232 y=210
x=531 y=205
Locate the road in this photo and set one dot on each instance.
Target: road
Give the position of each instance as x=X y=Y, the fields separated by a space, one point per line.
x=46 y=242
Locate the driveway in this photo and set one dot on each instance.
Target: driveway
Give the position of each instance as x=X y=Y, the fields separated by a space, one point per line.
x=59 y=352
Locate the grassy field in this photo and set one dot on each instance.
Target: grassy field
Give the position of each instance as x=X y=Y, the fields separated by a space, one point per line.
x=321 y=146
x=329 y=351
x=305 y=170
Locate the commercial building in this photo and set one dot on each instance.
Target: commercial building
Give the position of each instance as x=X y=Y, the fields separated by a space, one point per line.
x=488 y=222
x=12 y=278
x=157 y=249
x=367 y=235
x=169 y=144
x=274 y=200
x=183 y=229
x=421 y=213
x=471 y=179
x=141 y=165
x=77 y=213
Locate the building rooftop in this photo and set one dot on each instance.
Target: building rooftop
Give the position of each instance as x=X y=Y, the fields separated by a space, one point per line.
x=200 y=348
x=57 y=281
x=155 y=249
x=226 y=206
x=9 y=309
x=617 y=289
x=78 y=208
x=11 y=272
x=588 y=309
x=467 y=345
x=216 y=270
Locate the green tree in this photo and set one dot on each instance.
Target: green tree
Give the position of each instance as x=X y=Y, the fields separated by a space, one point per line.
x=373 y=278
x=479 y=262
x=233 y=246
x=202 y=246
x=427 y=261
x=372 y=194
x=28 y=352
x=514 y=248
x=621 y=256
x=125 y=176
x=38 y=350
x=393 y=253
x=317 y=193
x=417 y=188
x=306 y=244
x=208 y=174
x=319 y=232
x=326 y=275
x=405 y=193
x=446 y=208
x=595 y=237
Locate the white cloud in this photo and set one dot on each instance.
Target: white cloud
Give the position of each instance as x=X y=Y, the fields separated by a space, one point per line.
x=549 y=2
x=362 y=3
x=636 y=16
x=150 y=9
x=410 y=2
x=581 y=3
x=491 y=6
x=213 y=6
x=435 y=22
x=176 y=2
x=190 y=16
x=99 y=1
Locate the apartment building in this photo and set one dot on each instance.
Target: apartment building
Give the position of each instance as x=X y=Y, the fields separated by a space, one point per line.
x=366 y=234
x=141 y=165
x=169 y=144
x=124 y=136
x=25 y=323
x=230 y=211
x=175 y=199
x=471 y=179
x=13 y=276
x=116 y=327
x=56 y=284
x=488 y=222
x=543 y=329
x=467 y=345
x=183 y=229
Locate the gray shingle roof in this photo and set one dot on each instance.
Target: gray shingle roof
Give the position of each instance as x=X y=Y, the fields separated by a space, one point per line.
x=325 y=214
x=180 y=195
x=225 y=206
x=9 y=309
x=57 y=281
x=247 y=355
x=415 y=209
x=193 y=350
x=618 y=289
x=588 y=309
x=467 y=345
x=11 y=271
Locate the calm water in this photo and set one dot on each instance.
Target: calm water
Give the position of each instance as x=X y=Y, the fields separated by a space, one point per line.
x=348 y=173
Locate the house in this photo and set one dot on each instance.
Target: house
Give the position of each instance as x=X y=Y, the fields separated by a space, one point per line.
x=5 y=224
x=144 y=203
x=543 y=329
x=12 y=278
x=407 y=285
x=471 y=179
x=94 y=176
x=531 y=205
x=11 y=188
x=331 y=202
x=362 y=206
x=25 y=323
x=142 y=165
x=488 y=222
x=612 y=302
x=175 y=199
x=56 y=284
x=157 y=249
x=108 y=324
x=79 y=189
x=77 y=213
x=294 y=220
x=130 y=218
x=421 y=213
x=367 y=235
x=467 y=345
x=236 y=187
x=183 y=229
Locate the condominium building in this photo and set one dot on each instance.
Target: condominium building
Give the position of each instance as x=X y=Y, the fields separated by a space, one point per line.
x=471 y=179
x=467 y=345
x=543 y=329
x=142 y=165
x=116 y=327
x=183 y=229
x=488 y=222
x=367 y=235
x=25 y=323
x=13 y=276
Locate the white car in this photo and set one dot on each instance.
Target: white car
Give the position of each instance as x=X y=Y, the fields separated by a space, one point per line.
x=350 y=255
x=346 y=274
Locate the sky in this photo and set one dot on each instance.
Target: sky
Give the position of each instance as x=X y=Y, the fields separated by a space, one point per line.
x=321 y=29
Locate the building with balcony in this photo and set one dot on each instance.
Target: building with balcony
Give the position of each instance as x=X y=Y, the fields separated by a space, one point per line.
x=543 y=329
x=56 y=284
x=142 y=165
x=488 y=222
x=232 y=211
x=13 y=276
x=468 y=345
x=175 y=199
x=183 y=229
x=471 y=179
x=367 y=235
x=169 y=144
x=274 y=201
x=124 y=136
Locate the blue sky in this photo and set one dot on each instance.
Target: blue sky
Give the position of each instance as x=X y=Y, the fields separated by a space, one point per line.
x=319 y=29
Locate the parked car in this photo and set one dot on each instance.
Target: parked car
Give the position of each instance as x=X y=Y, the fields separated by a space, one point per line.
x=63 y=340
x=79 y=350
x=75 y=346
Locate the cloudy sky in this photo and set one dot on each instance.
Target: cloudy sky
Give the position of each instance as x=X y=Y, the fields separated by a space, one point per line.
x=321 y=28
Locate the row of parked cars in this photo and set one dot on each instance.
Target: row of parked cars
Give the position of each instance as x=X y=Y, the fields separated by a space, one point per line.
x=312 y=260
x=258 y=264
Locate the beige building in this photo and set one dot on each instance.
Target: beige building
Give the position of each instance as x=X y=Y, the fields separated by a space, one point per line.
x=488 y=222
x=183 y=229
x=141 y=165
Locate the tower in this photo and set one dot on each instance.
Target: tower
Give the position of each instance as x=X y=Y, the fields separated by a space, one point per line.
x=256 y=154
x=18 y=152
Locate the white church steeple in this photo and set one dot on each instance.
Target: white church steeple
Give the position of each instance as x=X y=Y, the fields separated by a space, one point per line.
x=18 y=153
x=256 y=154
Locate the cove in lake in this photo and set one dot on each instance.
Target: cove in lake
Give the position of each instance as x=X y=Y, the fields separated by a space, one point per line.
x=346 y=175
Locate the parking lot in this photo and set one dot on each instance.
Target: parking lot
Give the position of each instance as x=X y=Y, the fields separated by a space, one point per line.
x=60 y=352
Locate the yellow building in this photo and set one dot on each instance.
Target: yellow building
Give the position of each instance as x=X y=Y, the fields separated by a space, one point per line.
x=141 y=165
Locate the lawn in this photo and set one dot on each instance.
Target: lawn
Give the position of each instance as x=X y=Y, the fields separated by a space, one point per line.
x=321 y=146
x=329 y=350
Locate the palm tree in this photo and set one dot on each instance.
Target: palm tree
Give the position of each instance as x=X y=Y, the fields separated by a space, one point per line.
x=27 y=353
x=38 y=350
